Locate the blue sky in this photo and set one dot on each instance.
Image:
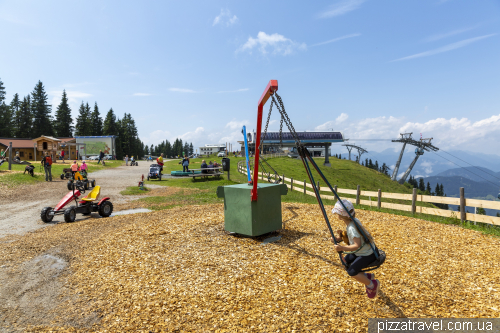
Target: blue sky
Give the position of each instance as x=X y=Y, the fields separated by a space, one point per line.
x=196 y=69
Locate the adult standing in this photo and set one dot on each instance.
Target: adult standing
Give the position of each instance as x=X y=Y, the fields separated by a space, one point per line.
x=185 y=164
x=159 y=161
x=62 y=155
x=101 y=156
x=126 y=160
x=47 y=165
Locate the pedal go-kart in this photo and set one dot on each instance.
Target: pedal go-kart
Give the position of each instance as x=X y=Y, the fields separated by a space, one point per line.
x=85 y=206
x=154 y=172
x=81 y=176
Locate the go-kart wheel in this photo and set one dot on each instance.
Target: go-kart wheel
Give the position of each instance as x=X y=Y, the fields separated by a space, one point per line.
x=86 y=185
x=62 y=176
x=45 y=215
x=70 y=214
x=93 y=183
x=70 y=186
x=105 y=209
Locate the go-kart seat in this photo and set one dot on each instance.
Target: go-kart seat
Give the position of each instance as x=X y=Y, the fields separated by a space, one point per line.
x=93 y=195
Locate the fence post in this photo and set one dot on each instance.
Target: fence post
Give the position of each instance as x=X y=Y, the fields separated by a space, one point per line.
x=414 y=201
x=462 y=205
x=304 y=186
x=357 y=194
x=262 y=174
x=318 y=187
x=379 y=199
x=283 y=178
x=291 y=184
x=335 y=188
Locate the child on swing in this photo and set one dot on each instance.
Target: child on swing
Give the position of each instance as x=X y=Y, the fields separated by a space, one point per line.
x=363 y=254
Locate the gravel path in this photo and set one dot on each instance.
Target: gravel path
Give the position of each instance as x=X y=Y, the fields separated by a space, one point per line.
x=21 y=206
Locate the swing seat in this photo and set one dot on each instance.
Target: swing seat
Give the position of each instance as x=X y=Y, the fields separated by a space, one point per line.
x=377 y=263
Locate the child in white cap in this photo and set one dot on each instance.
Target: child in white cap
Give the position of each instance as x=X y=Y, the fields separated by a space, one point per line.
x=362 y=254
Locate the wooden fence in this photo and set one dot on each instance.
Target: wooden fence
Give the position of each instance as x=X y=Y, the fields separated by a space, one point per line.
x=303 y=186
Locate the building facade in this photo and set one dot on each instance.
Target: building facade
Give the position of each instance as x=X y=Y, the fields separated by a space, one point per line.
x=212 y=149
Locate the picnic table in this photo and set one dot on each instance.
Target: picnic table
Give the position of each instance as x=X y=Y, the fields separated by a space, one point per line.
x=210 y=172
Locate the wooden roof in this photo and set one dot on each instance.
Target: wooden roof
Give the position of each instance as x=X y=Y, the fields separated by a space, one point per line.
x=17 y=143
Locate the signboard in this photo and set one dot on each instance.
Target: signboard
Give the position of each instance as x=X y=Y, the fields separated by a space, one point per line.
x=94 y=144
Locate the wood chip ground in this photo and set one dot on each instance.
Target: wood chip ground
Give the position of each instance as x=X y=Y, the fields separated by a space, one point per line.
x=178 y=270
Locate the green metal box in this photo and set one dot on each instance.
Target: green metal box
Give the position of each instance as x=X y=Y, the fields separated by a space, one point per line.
x=252 y=218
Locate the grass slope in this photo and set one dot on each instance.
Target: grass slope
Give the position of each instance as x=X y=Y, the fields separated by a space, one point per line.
x=343 y=173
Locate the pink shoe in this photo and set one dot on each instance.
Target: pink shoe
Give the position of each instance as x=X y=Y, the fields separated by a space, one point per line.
x=372 y=293
x=370 y=276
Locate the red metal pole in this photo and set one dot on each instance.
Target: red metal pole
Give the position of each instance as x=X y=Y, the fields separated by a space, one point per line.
x=272 y=86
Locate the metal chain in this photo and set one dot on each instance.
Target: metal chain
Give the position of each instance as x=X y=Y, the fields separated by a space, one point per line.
x=267 y=124
x=284 y=116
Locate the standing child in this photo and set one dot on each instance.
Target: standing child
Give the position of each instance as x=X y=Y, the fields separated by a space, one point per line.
x=362 y=254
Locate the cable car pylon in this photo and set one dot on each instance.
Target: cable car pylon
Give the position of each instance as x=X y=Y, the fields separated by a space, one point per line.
x=361 y=151
x=422 y=145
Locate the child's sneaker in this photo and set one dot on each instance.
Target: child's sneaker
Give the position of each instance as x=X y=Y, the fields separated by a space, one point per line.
x=372 y=292
x=370 y=276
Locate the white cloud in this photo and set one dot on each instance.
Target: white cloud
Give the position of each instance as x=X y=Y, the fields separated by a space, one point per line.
x=181 y=90
x=337 y=39
x=226 y=18
x=234 y=124
x=141 y=94
x=340 y=119
x=155 y=137
x=233 y=91
x=193 y=136
x=452 y=133
x=446 y=48
x=447 y=34
x=427 y=165
x=341 y=8
x=329 y=125
x=278 y=44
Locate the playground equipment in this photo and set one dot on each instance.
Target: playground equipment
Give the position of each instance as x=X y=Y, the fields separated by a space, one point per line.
x=306 y=160
x=154 y=172
x=255 y=210
x=80 y=176
x=244 y=132
x=85 y=206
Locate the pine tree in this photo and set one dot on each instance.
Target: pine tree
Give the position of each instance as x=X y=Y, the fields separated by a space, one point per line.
x=340 y=156
x=42 y=122
x=375 y=166
x=421 y=184
x=437 y=191
x=185 y=149
x=191 y=149
x=370 y=163
x=24 y=119
x=480 y=211
x=63 y=124
x=428 y=188
x=441 y=190
x=6 y=125
x=96 y=121
x=110 y=127
x=82 y=127
x=15 y=106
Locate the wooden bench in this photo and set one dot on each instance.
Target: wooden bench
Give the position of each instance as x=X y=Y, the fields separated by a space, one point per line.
x=211 y=172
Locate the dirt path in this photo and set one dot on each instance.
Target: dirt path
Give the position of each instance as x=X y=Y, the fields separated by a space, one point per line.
x=35 y=257
x=21 y=206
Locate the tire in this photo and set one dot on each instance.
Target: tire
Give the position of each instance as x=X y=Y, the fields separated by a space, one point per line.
x=93 y=183
x=44 y=215
x=62 y=176
x=70 y=186
x=105 y=209
x=70 y=214
x=86 y=185
x=148 y=178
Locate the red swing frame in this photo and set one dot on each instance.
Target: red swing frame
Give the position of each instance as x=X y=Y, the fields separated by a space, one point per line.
x=272 y=86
